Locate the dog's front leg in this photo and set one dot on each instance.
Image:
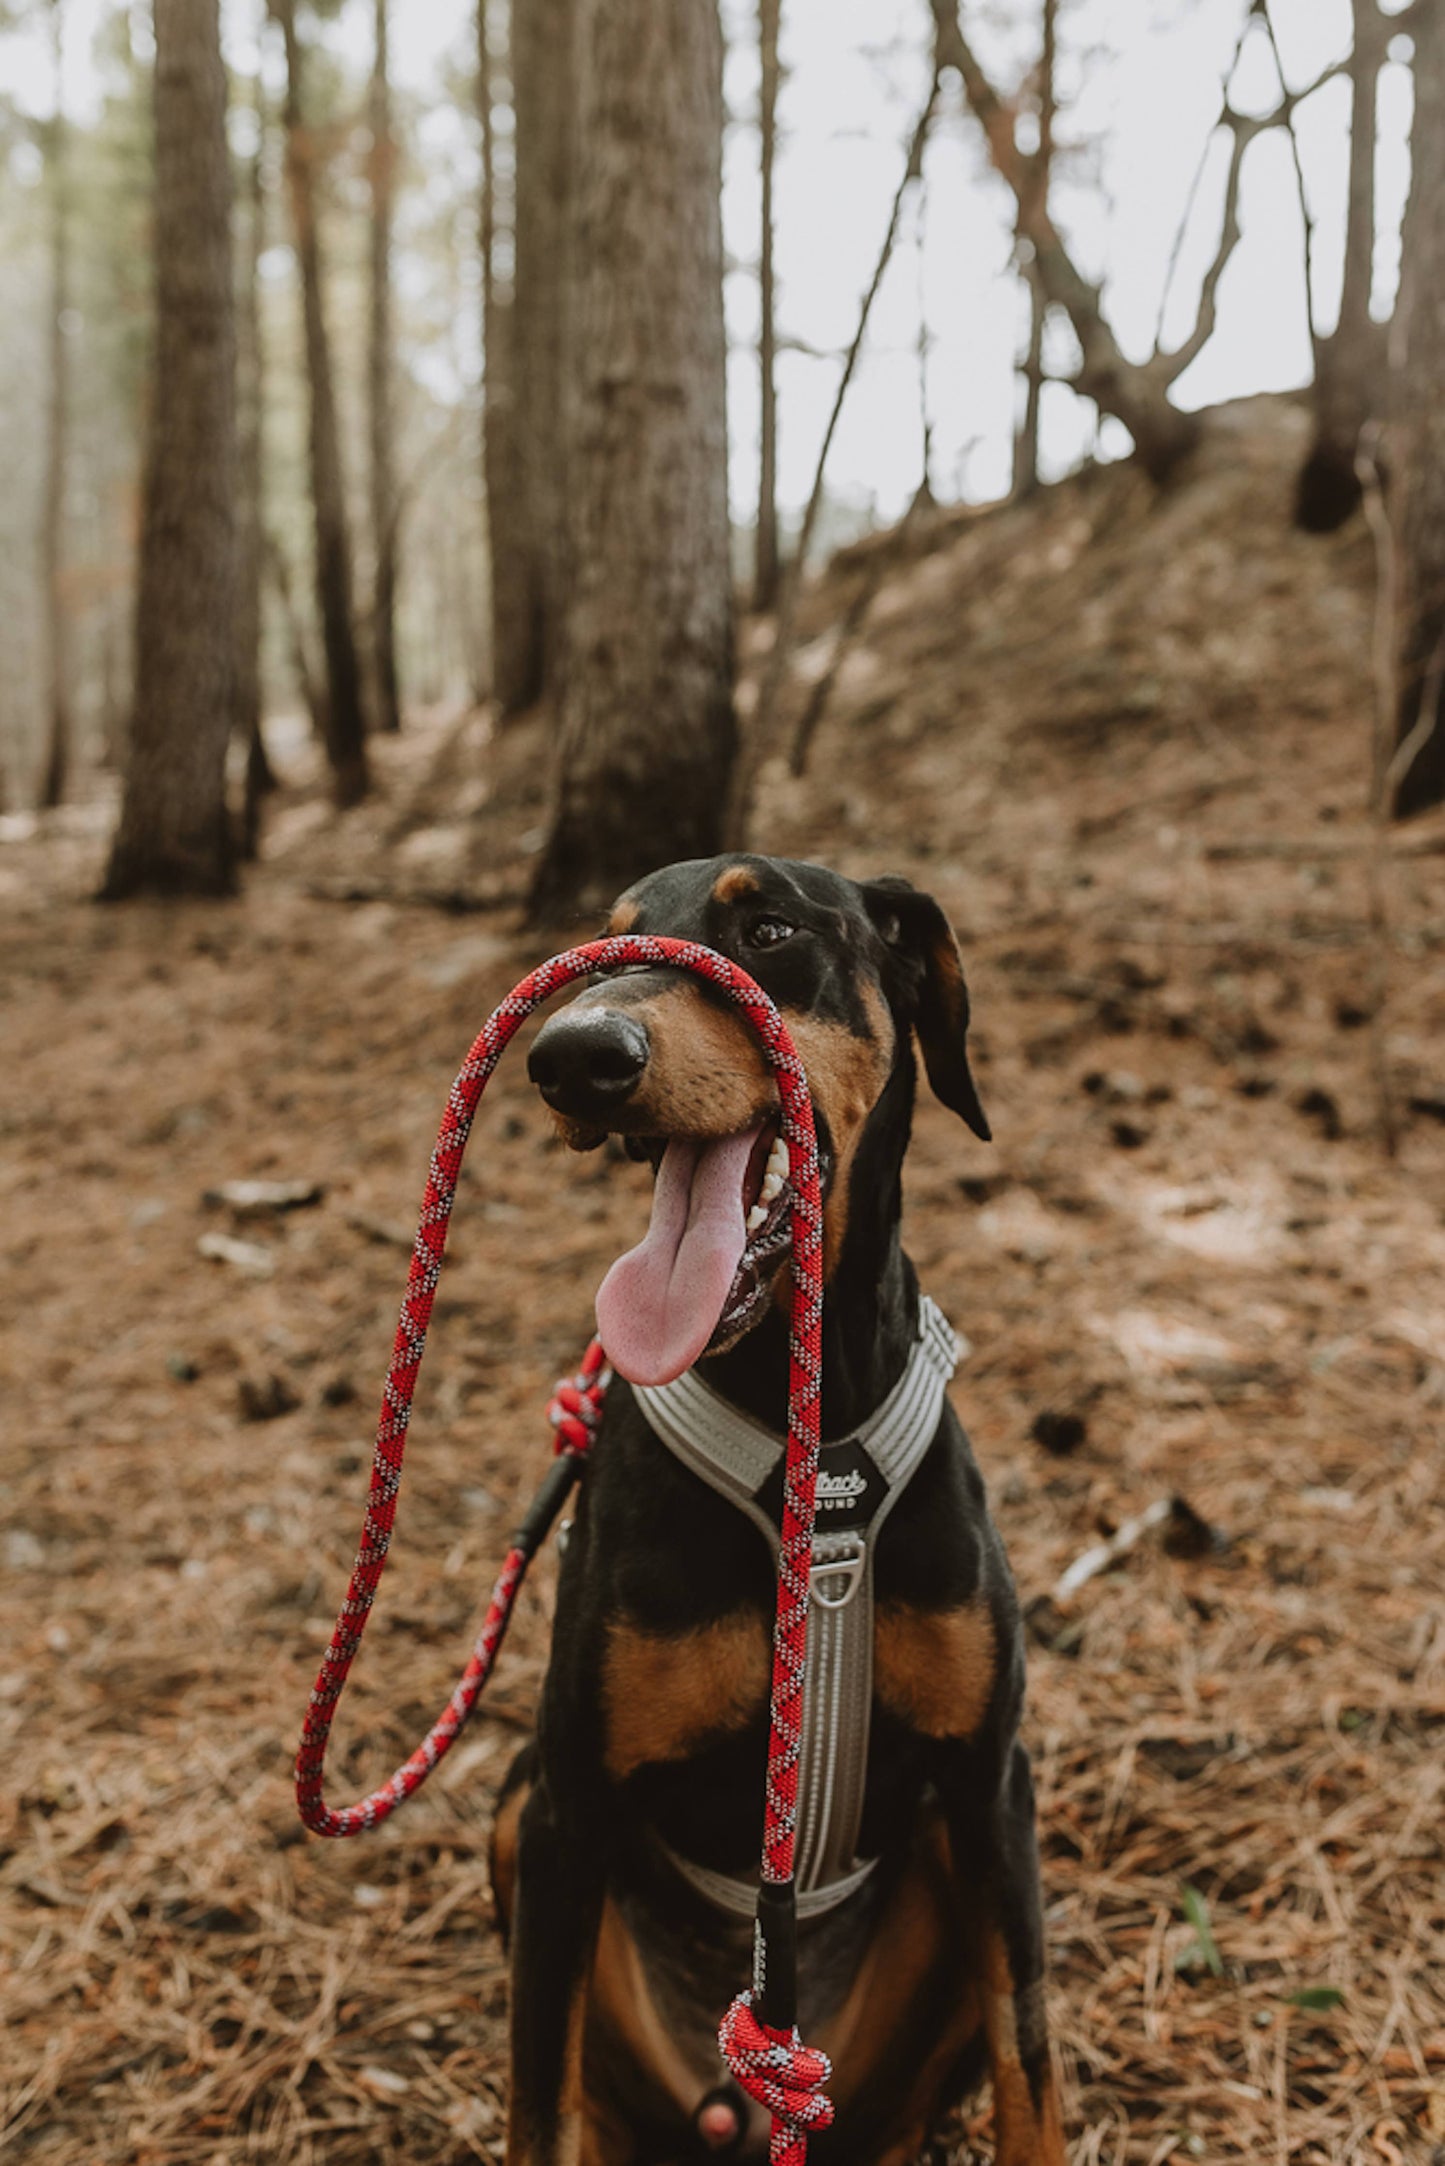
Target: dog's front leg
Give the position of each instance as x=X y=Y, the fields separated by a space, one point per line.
x=559 y=1890
x=996 y=1859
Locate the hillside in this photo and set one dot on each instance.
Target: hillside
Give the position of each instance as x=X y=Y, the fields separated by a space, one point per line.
x=1127 y=743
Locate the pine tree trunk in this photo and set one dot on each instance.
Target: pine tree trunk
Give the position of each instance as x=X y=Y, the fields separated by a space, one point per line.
x=56 y=773
x=766 y=569
x=379 y=384
x=1418 y=450
x=543 y=92
x=346 y=727
x=509 y=582
x=648 y=737
x=246 y=679
x=1349 y=364
x=174 y=835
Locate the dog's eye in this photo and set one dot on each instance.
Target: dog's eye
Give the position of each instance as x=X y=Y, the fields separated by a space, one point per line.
x=768 y=932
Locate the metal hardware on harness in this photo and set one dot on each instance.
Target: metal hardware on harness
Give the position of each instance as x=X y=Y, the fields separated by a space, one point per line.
x=760 y=2043
x=860 y=1478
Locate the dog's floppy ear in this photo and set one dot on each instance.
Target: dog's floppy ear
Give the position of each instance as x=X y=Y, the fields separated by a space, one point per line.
x=928 y=975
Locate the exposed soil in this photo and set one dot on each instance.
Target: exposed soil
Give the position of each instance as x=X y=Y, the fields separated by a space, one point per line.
x=1127 y=745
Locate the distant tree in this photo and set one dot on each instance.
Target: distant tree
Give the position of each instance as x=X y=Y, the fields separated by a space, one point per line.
x=1417 y=460
x=544 y=103
x=58 y=724
x=382 y=166
x=1134 y=392
x=648 y=738
x=1349 y=362
x=250 y=402
x=509 y=580
x=766 y=569
x=345 y=714
x=1026 y=442
x=173 y=836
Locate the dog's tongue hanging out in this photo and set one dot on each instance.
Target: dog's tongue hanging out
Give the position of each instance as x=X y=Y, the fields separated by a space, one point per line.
x=659 y=1304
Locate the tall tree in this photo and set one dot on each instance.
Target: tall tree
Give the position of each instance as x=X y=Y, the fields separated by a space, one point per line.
x=345 y=717
x=1026 y=443
x=58 y=728
x=1349 y=361
x=1418 y=453
x=173 y=836
x=250 y=402
x=509 y=580
x=765 y=574
x=648 y=738
x=379 y=385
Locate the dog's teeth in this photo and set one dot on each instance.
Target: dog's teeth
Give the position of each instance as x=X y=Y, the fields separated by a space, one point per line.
x=772 y=1186
x=756 y=1217
x=778 y=1159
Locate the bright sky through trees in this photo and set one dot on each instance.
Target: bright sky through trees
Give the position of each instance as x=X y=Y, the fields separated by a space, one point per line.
x=1139 y=86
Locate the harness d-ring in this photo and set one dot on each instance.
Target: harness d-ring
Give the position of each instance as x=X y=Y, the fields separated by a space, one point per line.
x=759 y=2037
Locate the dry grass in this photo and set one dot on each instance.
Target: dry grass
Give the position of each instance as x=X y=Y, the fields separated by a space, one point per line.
x=1188 y=1237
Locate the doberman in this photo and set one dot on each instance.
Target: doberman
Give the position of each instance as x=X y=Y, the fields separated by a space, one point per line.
x=646 y=1773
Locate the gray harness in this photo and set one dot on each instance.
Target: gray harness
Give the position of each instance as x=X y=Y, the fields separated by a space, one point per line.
x=859 y=1479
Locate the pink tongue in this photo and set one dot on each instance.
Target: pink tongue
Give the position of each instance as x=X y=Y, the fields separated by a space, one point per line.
x=659 y=1304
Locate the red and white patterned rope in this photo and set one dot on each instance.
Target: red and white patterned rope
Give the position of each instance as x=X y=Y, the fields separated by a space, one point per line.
x=770 y=2063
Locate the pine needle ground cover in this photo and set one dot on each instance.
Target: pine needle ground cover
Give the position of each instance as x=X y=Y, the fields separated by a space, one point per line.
x=1126 y=750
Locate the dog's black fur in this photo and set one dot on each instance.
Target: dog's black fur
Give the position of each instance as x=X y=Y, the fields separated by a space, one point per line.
x=654 y=1713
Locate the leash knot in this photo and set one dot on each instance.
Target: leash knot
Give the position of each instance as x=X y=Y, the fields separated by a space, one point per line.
x=779 y=2071
x=575 y=1407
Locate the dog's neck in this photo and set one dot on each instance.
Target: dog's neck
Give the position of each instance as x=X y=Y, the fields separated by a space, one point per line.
x=870 y=1303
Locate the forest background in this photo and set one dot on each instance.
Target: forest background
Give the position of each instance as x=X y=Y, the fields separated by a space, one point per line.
x=1114 y=616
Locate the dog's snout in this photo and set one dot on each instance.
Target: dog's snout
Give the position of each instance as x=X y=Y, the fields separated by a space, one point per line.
x=587 y=1062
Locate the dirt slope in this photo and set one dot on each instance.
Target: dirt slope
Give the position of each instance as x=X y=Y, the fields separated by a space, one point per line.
x=1126 y=744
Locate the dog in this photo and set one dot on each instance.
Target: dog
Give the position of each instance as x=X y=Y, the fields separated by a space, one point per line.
x=626 y=1829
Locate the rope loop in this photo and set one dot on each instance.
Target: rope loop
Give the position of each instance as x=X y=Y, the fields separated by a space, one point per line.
x=781 y=2073
x=575 y=1407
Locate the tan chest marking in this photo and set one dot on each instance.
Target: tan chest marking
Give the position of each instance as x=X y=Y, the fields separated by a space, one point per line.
x=935 y=1668
x=664 y=1693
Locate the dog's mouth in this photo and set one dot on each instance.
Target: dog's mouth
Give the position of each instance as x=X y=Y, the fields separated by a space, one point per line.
x=722 y=1218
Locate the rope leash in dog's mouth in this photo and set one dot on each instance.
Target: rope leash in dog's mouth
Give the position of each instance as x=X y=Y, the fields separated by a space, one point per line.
x=759 y=2038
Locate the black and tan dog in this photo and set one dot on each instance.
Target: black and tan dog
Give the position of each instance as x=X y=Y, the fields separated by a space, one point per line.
x=652 y=1736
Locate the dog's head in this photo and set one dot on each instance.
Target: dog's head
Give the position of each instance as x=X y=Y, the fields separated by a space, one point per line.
x=663 y=1060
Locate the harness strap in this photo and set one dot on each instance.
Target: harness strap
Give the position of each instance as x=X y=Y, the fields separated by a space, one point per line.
x=860 y=1477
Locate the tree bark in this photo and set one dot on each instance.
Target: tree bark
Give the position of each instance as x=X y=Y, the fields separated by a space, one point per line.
x=511 y=670
x=379 y=385
x=174 y=836
x=1417 y=462
x=765 y=576
x=648 y=737
x=1349 y=363
x=1136 y=393
x=346 y=726
x=246 y=618
x=58 y=728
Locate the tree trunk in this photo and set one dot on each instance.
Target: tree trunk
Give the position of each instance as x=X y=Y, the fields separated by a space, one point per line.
x=543 y=91
x=346 y=727
x=648 y=737
x=765 y=577
x=1349 y=364
x=1417 y=460
x=246 y=618
x=379 y=384
x=1026 y=443
x=506 y=552
x=56 y=772
x=174 y=837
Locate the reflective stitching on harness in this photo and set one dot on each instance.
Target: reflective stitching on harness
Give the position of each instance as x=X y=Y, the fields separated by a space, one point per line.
x=860 y=1477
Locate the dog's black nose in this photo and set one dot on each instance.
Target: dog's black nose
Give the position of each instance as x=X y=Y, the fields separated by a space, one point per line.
x=587 y=1062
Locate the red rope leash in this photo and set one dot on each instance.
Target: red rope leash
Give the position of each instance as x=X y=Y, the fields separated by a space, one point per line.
x=759 y=2037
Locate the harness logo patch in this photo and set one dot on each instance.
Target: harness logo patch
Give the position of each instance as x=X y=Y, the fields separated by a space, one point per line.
x=850 y=1489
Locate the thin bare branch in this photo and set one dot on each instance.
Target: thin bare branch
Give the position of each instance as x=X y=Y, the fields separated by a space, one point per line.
x=1256 y=7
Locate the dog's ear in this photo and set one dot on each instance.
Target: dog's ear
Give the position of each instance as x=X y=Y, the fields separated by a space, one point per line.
x=927 y=980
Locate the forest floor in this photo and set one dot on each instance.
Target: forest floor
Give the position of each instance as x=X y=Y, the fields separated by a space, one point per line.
x=1127 y=745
